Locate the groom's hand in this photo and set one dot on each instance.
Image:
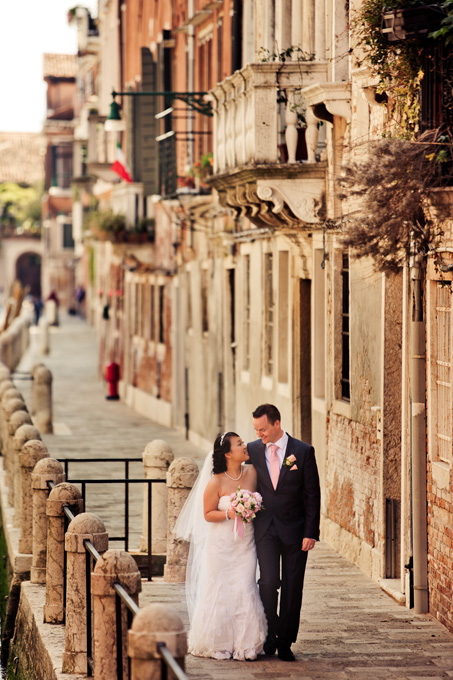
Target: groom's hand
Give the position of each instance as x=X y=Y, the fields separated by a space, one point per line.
x=308 y=544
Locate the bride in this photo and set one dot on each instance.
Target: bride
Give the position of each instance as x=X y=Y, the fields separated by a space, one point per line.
x=226 y=615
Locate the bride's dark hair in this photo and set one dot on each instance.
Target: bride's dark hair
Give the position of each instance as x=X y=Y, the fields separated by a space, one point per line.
x=222 y=445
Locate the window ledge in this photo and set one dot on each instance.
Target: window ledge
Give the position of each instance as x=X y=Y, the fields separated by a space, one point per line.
x=441 y=474
x=342 y=408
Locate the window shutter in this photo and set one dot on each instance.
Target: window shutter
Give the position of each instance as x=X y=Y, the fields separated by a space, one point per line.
x=146 y=128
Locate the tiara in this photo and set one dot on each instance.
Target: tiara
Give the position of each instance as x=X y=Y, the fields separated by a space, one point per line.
x=222 y=437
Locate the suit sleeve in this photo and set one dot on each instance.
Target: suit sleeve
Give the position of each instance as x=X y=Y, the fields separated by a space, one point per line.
x=312 y=496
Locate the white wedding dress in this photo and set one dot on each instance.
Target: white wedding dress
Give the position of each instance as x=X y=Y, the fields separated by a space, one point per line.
x=228 y=619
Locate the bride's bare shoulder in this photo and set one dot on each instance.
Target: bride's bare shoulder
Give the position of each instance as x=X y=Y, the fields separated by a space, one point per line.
x=213 y=484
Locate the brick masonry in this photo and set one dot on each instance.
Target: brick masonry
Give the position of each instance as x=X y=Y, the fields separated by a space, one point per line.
x=440 y=551
x=352 y=483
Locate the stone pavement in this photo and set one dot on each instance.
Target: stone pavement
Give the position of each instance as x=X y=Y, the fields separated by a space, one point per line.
x=350 y=629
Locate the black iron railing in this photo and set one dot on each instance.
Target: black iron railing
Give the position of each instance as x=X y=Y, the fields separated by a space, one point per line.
x=126 y=481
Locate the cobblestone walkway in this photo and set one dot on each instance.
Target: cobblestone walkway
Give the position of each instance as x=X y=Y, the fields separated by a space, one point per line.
x=349 y=629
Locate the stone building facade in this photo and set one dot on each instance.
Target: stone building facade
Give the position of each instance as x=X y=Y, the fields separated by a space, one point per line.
x=245 y=293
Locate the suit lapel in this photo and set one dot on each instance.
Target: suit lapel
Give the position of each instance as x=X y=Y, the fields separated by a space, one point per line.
x=263 y=466
x=284 y=468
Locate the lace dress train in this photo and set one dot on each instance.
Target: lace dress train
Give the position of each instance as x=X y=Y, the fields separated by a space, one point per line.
x=228 y=618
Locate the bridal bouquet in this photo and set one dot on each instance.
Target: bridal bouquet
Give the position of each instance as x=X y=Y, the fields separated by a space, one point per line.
x=245 y=505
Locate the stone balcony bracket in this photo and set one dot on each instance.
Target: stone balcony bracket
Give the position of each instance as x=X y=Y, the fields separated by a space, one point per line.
x=329 y=99
x=275 y=196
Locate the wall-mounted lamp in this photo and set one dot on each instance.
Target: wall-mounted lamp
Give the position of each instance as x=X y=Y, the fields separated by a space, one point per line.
x=114 y=122
x=198 y=101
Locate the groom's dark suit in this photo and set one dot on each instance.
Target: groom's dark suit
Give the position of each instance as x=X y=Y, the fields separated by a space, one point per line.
x=290 y=513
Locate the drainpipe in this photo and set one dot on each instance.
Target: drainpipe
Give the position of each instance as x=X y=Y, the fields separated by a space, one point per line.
x=418 y=443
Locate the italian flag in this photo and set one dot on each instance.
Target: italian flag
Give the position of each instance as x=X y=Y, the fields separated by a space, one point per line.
x=120 y=165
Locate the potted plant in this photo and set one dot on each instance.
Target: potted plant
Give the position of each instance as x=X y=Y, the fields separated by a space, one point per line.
x=206 y=166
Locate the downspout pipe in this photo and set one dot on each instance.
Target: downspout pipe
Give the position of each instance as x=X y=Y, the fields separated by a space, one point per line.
x=418 y=439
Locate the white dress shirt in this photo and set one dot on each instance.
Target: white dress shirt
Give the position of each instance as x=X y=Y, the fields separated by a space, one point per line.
x=281 y=444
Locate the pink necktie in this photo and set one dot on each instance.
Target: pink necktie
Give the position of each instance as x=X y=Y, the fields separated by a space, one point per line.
x=274 y=465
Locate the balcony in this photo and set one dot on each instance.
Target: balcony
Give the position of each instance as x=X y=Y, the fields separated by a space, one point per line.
x=256 y=112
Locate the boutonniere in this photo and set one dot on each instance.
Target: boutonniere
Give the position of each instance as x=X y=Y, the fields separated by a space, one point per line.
x=289 y=461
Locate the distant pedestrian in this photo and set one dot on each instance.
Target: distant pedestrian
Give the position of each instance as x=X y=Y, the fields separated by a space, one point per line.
x=38 y=307
x=80 y=298
x=52 y=304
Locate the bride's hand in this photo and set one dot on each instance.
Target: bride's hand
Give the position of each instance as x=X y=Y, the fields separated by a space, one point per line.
x=231 y=513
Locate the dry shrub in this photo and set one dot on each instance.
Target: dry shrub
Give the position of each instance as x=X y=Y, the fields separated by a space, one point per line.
x=390 y=194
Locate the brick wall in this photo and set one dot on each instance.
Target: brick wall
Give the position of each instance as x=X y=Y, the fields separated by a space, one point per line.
x=352 y=477
x=440 y=551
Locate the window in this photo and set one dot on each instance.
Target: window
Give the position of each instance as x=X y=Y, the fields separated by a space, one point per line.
x=442 y=373
x=140 y=309
x=319 y=360
x=345 y=370
x=204 y=301
x=68 y=240
x=189 y=299
x=283 y=315
x=152 y=314
x=161 y=313
x=268 y=314
x=136 y=308
x=246 y=326
x=61 y=164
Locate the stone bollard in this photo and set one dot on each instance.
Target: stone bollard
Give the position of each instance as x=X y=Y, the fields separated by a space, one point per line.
x=18 y=418
x=181 y=477
x=157 y=457
x=45 y=470
x=42 y=399
x=155 y=623
x=115 y=566
x=23 y=434
x=44 y=335
x=33 y=370
x=85 y=526
x=64 y=494
x=11 y=392
x=4 y=373
x=13 y=404
x=5 y=385
x=32 y=452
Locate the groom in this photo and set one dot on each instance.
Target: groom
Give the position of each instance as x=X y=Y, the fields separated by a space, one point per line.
x=287 y=527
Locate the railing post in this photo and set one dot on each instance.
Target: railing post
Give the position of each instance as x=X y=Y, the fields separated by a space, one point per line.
x=157 y=457
x=32 y=452
x=155 y=623
x=23 y=434
x=45 y=470
x=181 y=477
x=84 y=527
x=115 y=566
x=44 y=335
x=41 y=398
x=62 y=495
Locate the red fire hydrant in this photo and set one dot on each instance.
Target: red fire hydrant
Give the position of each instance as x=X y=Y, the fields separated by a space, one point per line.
x=112 y=376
